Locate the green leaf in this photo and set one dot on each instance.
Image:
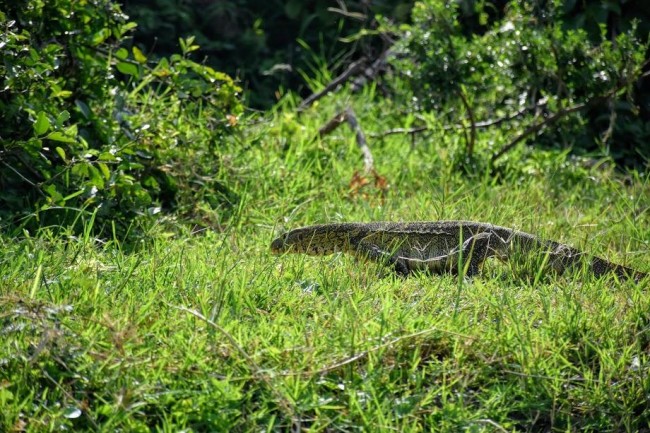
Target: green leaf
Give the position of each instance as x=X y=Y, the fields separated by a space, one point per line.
x=73 y=195
x=60 y=152
x=62 y=94
x=107 y=156
x=105 y=171
x=60 y=137
x=125 y=29
x=139 y=56
x=71 y=131
x=162 y=68
x=83 y=107
x=54 y=195
x=101 y=36
x=62 y=118
x=5 y=395
x=128 y=69
x=42 y=123
x=122 y=53
x=95 y=177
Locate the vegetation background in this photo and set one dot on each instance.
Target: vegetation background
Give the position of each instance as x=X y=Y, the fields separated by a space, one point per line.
x=151 y=150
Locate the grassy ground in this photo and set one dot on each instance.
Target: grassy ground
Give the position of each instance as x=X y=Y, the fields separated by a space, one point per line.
x=209 y=332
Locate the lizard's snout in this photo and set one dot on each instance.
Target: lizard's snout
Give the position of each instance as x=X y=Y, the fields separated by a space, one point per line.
x=278 y=246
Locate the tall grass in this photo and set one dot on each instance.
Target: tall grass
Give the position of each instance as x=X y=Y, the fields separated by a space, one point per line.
x=209 y=332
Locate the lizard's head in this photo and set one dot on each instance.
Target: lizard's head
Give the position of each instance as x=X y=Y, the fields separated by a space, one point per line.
x=295 y=241
x=281 y=244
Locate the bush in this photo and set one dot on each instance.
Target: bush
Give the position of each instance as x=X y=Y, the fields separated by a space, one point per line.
x=91 y=126
x=531 y=68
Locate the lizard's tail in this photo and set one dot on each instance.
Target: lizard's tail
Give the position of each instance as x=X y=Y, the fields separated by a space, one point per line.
x=601 y=267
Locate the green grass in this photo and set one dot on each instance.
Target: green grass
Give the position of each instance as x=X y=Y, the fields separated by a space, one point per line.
x=209 y=332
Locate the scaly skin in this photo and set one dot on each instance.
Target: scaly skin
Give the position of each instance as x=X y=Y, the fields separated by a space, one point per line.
x=439 y=246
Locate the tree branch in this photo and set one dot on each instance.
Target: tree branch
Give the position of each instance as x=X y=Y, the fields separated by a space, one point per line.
x=484 y=124
x=353 y=69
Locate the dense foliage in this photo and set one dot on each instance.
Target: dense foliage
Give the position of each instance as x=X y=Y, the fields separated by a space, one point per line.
x=89 y=126
x=567 y=74
x=92 y=125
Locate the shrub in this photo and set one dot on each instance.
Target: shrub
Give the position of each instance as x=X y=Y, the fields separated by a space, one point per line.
x=88 y=125
x=531 y=68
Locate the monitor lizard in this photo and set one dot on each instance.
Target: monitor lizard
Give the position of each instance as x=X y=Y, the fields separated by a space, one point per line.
x=442 y=247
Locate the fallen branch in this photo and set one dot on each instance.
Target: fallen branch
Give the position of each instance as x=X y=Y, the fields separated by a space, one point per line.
x=350 y=117
x=332 y=124
x=353 y=69
x=400 y=131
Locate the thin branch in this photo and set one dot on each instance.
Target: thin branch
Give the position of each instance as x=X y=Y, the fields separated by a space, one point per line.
x=371 y=72
x=32 y=184
x=607 y=135
x=521 y=111
x=492 y=423
x=353 y=69
x=20 y=175
x=483 y=124
x=71 y=397
x=257 y=370
x=332 y=124
x=561 y=379
x=344 y=12
x=394 y=131
x=230 y=338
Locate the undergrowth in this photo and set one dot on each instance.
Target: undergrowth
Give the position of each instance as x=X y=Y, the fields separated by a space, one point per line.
x=206 y=331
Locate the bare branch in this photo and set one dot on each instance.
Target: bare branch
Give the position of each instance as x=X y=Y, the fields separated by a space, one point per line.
x=368 y=161
x=484 y=124
x=400 y=131
x=391 y=343
x=256 y=369
x=370 y=73
x=353 y=69
x=537 y=127
x=332 y=124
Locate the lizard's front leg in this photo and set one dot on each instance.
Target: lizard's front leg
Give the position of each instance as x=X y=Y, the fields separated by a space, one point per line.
x=475 y=251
